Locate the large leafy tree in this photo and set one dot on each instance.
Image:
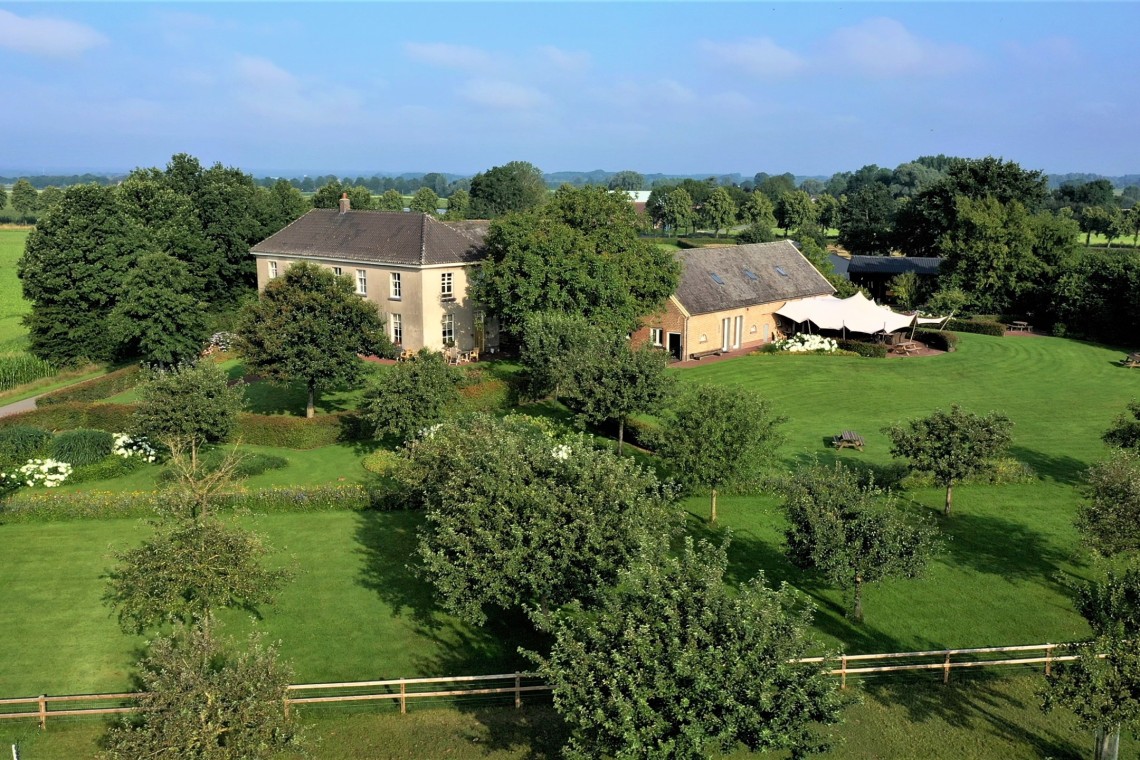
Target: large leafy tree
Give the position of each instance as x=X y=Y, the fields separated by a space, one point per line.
x=851 y=532
x=627 y=180
x=677 y=213
x=159 y=316
x=866 y=220
x=309 y=326
x=359 y=197
x=425 y=200
x=25 y=200
x=1109 y=519
x=794 y=209
x=281 y=204
x=390 y=200
x=719 y=435
x=412 y=395
x=758 y=210
x=952 y=445
x=581 y=254
x=458 y=205
x=674 y=664
x=204 y=699
x=513 y=187
x=718 y=211
x=517 y=517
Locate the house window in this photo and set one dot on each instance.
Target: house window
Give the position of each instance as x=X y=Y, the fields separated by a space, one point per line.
x=655 y=336
x=397 y=328
x=445 y=285
x=273 y=270
x=362 y=282
x=338 y=271
x=396 y=291
x=448 y=329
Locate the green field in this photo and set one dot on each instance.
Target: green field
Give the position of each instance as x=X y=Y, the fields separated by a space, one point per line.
x=12 y=303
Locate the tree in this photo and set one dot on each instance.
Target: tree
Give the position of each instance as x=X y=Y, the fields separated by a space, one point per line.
x=627 y=180
x=359 y=198
x=1096 y=220
x=159 y=316
x=519 y=517
x=310 y=326
x=1125 y=430
x=717 y=436
x=282 y=204
x=951 y=445
x=3 y=197
x=25 y=200
x=828 y=210
x=203 y=699
x=390 y=200
x=50 y=197
x=425 y=200
x=851 y=532
x=775 y=187
x=794 y=209
x=1109 y=520
x=458 y=204
x=550 y=339
x=718 y=211
x=905 y=288
x=581 y=254
x=412 y=395
x=866 y=221
x=759 y=211
x=512 y=187
x=674 y=664
x=188 y=405
x=678 y=212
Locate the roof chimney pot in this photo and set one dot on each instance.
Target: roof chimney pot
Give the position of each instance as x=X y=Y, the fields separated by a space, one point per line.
x=345 y=203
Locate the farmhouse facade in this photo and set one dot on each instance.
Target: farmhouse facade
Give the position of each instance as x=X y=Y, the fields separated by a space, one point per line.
x=728 y=296
x=413 y=266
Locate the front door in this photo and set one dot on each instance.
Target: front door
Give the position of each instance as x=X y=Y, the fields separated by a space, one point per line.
x=675 y=345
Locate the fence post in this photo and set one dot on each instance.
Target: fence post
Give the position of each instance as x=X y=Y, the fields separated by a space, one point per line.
x=518 y=691
x=286 y=701
x=43 y=711
x=1048 y=658
x=843 y=672
x=946 y=669
x=403 y=698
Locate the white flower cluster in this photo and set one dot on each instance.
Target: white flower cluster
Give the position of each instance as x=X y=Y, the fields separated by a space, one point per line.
x=224 y=341
x=803 y=343
x=126 y=446
x=428 y=432
x=41 y=472
x=561 y=452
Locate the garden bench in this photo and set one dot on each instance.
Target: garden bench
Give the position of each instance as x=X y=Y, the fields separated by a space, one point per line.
x=848 y=439
x=702 y=354
x=1132 y=360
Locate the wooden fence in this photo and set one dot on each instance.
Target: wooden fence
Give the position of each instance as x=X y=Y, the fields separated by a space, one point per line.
x=402 y=690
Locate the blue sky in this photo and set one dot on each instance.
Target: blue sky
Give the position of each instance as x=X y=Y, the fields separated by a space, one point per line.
x=810 y=88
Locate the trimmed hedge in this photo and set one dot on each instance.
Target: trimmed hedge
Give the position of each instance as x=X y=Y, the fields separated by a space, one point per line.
x=81 y=447
x=982 y=327
x=940 y=341
x=870 y=350
x=73 y=415
x=110 y=467
x=298 y=432
x=93 y=390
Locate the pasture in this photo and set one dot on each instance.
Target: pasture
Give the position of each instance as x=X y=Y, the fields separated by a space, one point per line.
x=12 y=304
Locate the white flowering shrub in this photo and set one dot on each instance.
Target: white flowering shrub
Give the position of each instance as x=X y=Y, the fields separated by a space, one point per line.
x=561 y=452
x=127 y=446
x=804 y=343
x=430 y=431
x=46 y=473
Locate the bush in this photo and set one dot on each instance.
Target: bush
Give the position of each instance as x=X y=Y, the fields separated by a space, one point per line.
x=20 y=443
x=111 y=467
x=81 y=447
x=1059 y=330
x=94 y=390
x=940 y=341
x=980 y=326
x=17 y=369
x=289 y=432
x=380 y=462
x=870 y=350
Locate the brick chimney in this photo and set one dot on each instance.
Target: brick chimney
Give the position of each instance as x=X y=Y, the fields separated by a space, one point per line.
x=345 y=203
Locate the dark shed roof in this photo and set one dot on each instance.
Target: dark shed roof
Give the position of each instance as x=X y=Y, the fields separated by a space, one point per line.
x=383 y=237
x=735 y=276
x=927 y=265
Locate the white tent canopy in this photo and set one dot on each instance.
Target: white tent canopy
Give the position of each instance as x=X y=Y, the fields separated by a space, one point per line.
x=857 y=314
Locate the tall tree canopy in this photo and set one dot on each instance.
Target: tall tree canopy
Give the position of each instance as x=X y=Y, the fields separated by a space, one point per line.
x=25 y=200
x=159 y=316
x=866 y=220
x=627 y=180
x=360 y=198
x=513 y=187
x=718 y=211
x=579 y=253
x=425 y=200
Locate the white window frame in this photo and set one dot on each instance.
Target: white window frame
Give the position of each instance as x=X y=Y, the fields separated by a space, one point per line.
x=447 y=284
x=338 y=271
x=396 y=286
x=397 y=328
x=448 y=331
x=362 y=282
x=273 y=270
x=655 y=335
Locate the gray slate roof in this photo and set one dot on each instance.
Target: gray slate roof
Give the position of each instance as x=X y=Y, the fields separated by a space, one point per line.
x=381 y=237
x=700 y=293
x=926 y=265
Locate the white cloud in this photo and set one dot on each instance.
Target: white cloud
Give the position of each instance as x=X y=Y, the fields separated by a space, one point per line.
x=269 y=91
x=759 y=57
x=501 y=95
x=883 y=47
x=46 y=36
x=448 y=56
x=567 y=60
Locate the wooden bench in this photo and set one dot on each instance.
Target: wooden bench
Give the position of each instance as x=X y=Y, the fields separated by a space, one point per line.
x=1132 y=360
x=907 y=349
x=848 y=439
x=702 y=354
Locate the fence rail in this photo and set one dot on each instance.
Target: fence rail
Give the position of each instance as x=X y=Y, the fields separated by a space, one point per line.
x=517 y=684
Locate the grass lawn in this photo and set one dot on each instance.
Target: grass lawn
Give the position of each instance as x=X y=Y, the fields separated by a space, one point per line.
x=12 y=304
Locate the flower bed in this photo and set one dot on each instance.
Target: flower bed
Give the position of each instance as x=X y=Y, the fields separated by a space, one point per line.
x=804 y=343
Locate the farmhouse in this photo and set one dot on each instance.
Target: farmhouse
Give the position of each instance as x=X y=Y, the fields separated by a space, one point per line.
x=412 y=265
x=728 y=296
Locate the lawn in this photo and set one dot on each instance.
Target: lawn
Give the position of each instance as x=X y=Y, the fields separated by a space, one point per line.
x=12 y=304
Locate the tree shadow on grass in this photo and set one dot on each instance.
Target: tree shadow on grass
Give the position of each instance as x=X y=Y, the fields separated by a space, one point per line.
x=387 y=543
x=536 y=726
x=997 y=546
x=1062 y=469
x=973 y=700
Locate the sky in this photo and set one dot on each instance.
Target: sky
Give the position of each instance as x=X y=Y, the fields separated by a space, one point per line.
x=679 y=88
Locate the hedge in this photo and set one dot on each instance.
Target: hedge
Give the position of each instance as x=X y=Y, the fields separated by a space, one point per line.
x=20 y=443
x=298 y=432
x=94 y=390
x=982 y=327
x=870 y=350
x=941 y=341
x=75 y=414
